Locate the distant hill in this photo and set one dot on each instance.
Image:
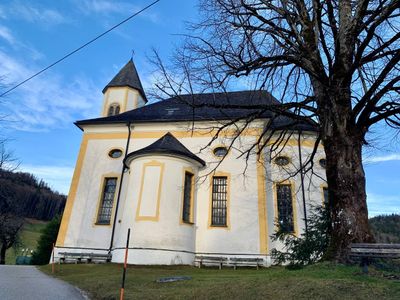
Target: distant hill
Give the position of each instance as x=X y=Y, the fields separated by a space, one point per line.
x=386 y=228
x=37 y=199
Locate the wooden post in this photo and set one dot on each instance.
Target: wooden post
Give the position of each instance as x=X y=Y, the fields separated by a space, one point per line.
x=52 y=260
x=125 y=264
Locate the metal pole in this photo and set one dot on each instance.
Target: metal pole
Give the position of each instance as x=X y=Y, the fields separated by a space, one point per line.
x=120 y=188
x=52 y=260
x=302 y=183
x=125 y=264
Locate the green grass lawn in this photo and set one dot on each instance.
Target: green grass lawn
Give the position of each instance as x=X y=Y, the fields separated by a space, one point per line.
x=29 y=236
x=321 y=281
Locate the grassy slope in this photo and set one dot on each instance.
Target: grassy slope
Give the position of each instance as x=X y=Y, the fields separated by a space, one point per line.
x=30 y=234
x=322 y=281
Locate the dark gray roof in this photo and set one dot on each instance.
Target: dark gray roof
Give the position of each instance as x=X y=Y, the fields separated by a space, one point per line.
x=127 y=76
x=206 y=107
x=168 y=144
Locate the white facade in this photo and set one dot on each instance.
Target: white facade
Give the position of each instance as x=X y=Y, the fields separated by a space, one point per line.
x=150 y=192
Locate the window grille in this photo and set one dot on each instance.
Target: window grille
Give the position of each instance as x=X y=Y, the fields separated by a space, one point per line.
x=326 y=196
x=285 y=208
x=106 y=205
x=219 y=199
x=187 y=198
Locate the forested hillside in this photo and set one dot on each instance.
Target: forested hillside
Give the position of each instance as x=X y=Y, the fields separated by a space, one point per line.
x=386 y=228
x=34 y=197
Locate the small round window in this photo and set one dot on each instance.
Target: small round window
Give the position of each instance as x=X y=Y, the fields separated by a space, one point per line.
x=115 y=153
x=322 y=162
x=220 y=151
x=282 y=160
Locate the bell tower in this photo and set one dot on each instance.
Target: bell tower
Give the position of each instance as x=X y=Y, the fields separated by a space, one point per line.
x=124 y=92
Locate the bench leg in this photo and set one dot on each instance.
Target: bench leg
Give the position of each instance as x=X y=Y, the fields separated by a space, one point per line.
x=220 y=265
x=234 y=267
x=257 y=266
x=364 y=264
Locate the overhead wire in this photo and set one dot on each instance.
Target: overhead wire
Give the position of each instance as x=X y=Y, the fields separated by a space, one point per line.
x=80 y=48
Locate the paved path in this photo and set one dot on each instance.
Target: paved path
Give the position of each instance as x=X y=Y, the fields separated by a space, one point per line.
x=27 y=282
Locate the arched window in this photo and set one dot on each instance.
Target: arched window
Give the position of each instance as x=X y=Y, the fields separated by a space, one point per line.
x=113 y=110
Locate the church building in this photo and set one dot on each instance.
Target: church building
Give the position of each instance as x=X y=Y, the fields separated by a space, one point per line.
x=188 y=176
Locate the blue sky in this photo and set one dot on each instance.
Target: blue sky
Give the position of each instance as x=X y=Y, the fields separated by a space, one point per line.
x=41 y=113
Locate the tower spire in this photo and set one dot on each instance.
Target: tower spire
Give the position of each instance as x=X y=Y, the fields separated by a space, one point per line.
x=127 y=77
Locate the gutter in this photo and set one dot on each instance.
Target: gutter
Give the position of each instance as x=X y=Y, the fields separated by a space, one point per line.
x=120 y=187
x=302 y=184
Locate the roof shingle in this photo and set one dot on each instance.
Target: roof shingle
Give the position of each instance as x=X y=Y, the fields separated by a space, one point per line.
x=205 y=107
x=127 y=76
x=168 y=144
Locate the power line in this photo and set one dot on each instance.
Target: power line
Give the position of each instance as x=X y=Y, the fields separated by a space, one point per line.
x=80 y=48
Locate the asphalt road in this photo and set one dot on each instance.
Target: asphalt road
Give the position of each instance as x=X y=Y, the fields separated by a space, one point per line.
x=27 y=282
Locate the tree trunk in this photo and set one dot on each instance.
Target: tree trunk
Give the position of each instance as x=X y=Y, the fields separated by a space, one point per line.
x=347 y=194
x=3 y=254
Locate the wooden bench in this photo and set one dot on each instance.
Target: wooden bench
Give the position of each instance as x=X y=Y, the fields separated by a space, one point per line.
x=366 y=252
x=246 y=262
x=210 y=260
x=89 y=257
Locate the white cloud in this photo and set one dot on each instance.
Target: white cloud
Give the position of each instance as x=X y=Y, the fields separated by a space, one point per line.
x=48 y=101
x=376 y=159
x=6 y=34
x=383 y=204
x=30 y=13
x=57 y=177
x=108 y=7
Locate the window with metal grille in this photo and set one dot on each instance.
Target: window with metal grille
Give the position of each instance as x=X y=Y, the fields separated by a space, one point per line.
x=285 y=208
x=326 y=196
x=107 y=200
x=187 y=198
x=219 y=199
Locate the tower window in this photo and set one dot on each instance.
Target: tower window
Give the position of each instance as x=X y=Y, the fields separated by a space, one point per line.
x=113 y=110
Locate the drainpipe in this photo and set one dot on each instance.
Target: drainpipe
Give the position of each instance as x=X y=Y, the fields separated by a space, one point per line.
x=120 y=187
x=302 y=183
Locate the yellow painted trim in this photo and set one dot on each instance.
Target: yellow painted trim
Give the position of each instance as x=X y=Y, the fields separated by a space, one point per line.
x=186 y=134
x=191 y=221
x=156 y=217
x=115 y=148
x=322 y=187
x=295 y=142
x=125 y=101
x=220 y=146
x=228 y=201
x=262 y=205
x=100 y=198
x=294 y=204
x=105 y=103
x=159 y=134
x=72 y=193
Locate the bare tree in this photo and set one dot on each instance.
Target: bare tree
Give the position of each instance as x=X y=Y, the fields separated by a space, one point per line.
x=11 y=208
x=332 y=63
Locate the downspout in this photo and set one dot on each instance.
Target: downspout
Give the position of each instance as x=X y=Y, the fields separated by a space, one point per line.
x=302 y=184
x=120 y=187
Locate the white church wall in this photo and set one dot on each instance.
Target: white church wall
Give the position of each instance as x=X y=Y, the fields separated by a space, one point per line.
x=158 y=236
x=313 y=183
x=97 y=165
x=166 y=240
